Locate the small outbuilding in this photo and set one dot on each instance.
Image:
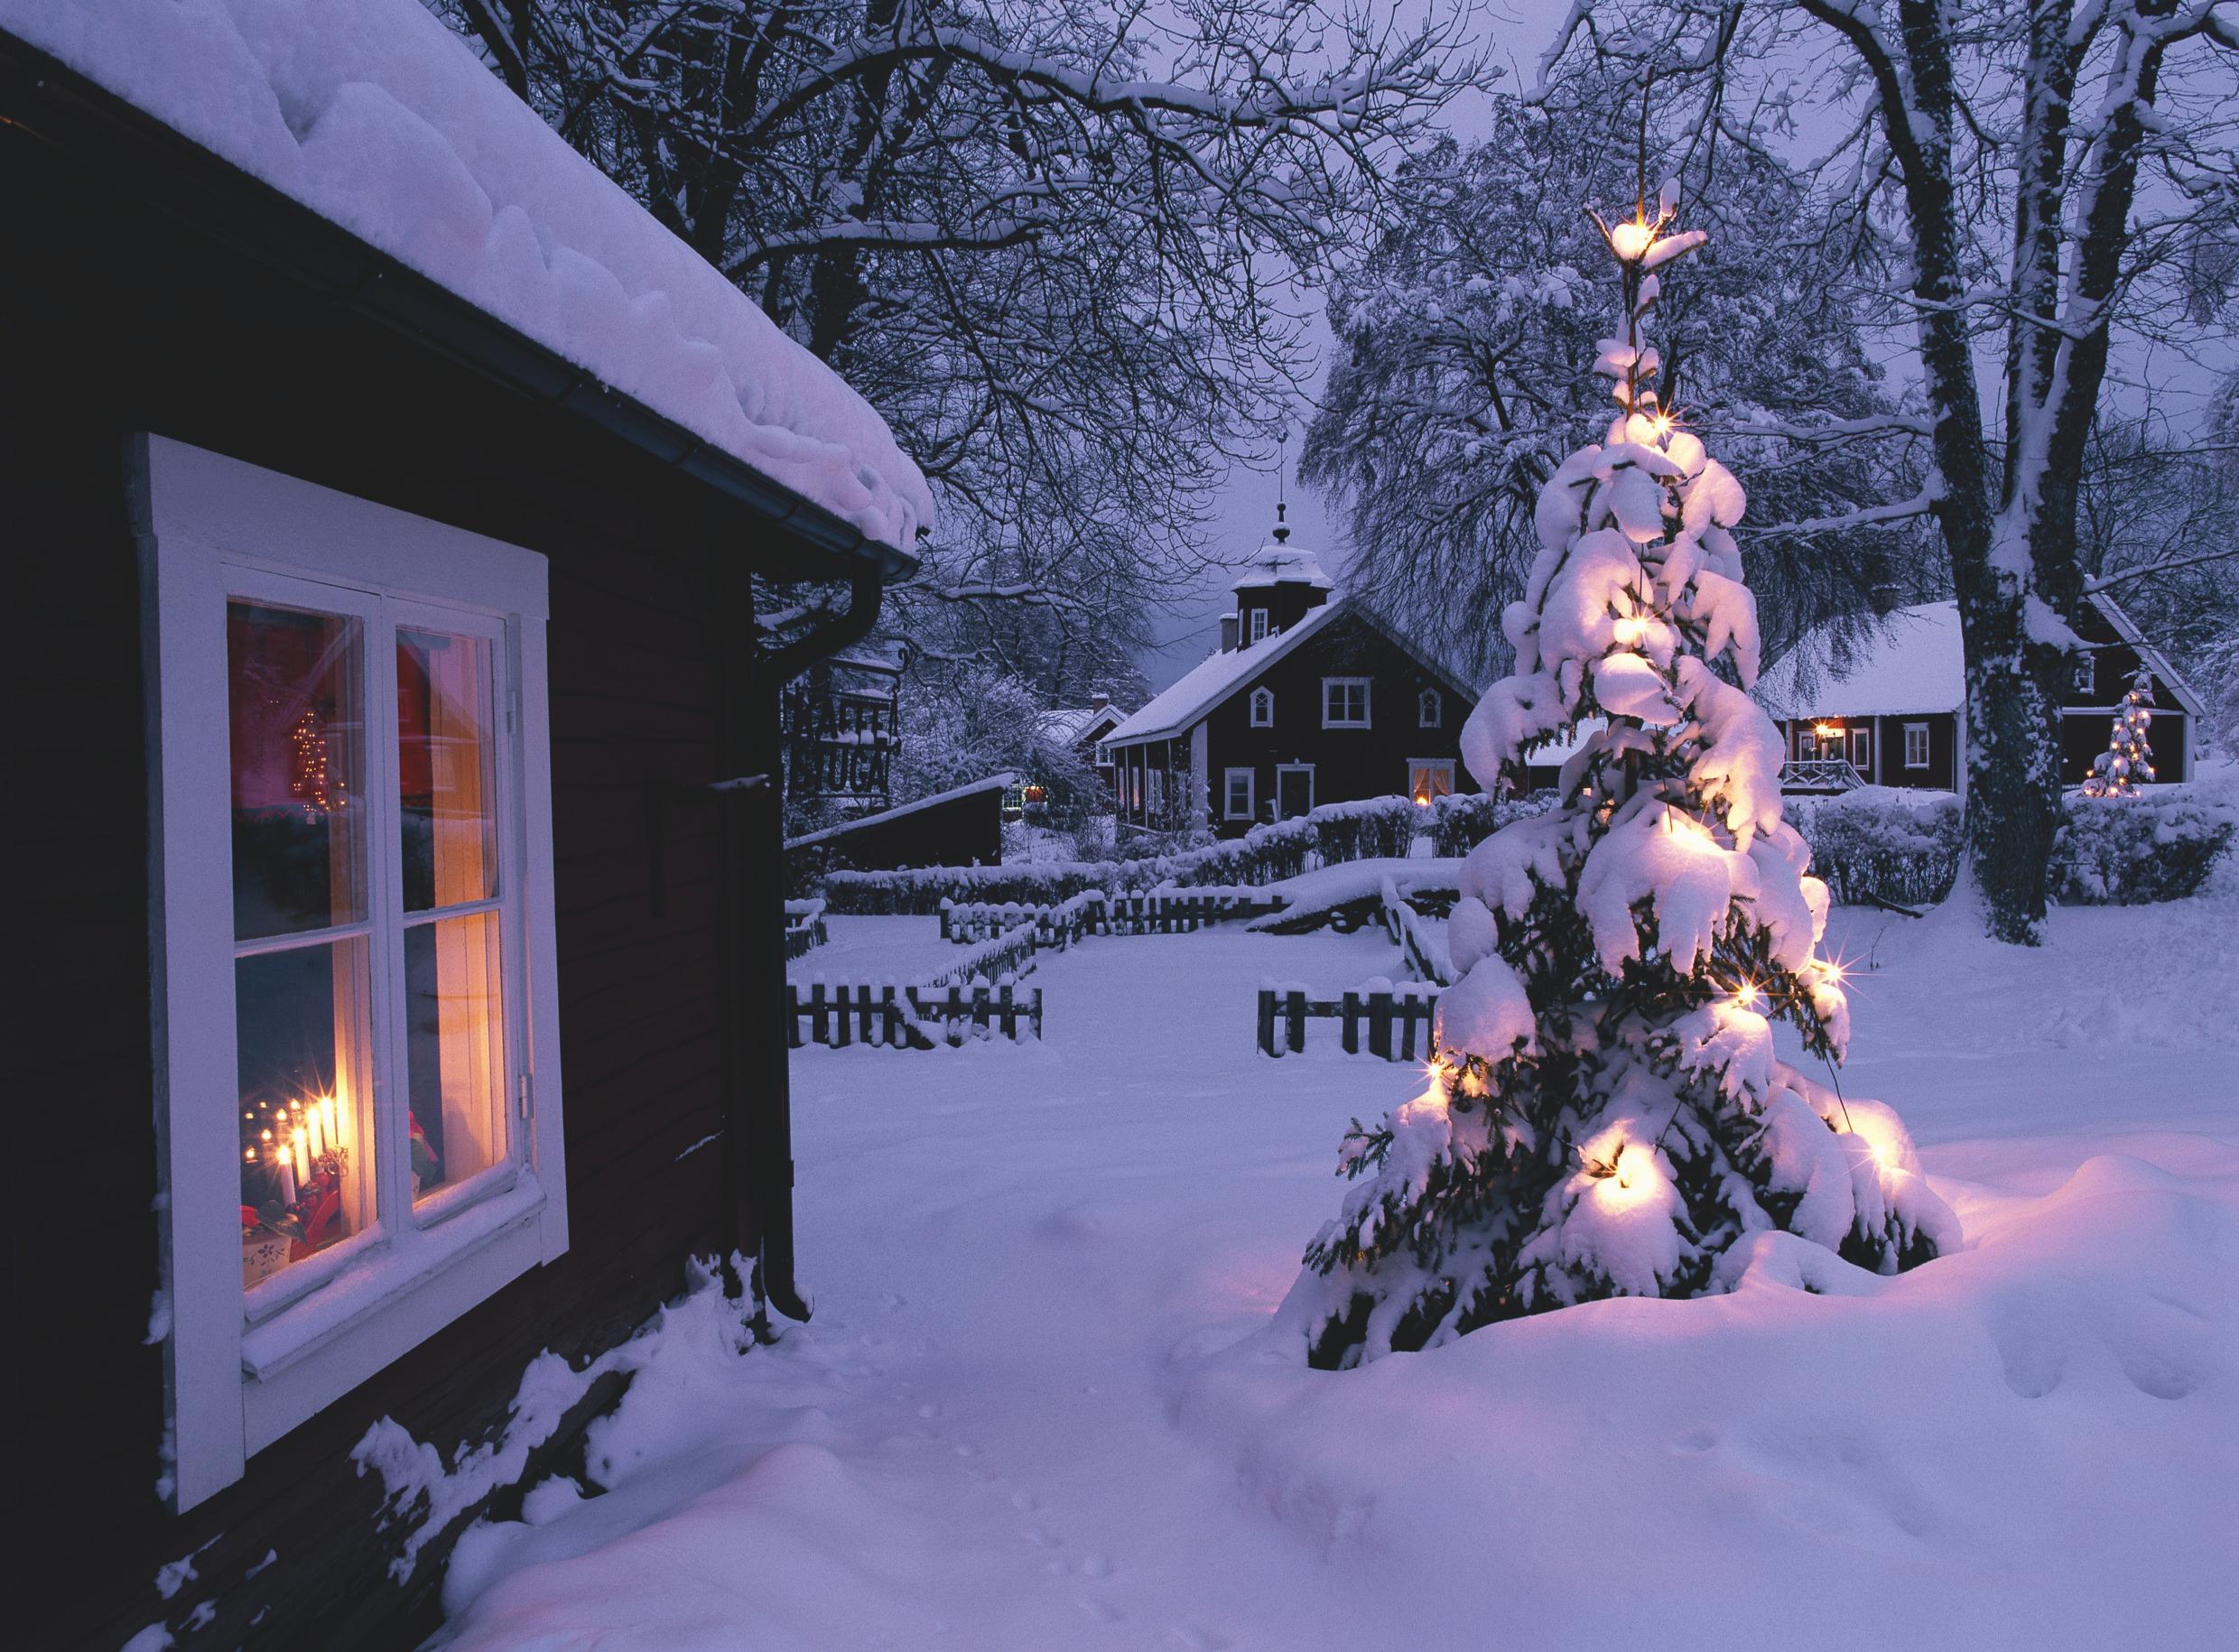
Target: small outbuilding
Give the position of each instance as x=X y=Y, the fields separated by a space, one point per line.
x=395 y=907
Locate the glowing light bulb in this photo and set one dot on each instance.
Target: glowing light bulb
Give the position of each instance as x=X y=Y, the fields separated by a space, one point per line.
x=1630 y=240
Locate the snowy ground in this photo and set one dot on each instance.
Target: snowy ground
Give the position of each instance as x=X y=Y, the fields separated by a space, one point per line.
x=903 y=948
x=1037 y=1409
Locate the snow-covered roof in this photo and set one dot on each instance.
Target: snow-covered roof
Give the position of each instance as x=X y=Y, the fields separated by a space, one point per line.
x=1215 y=678
x=1276 y=562
x=993 y=783
x=1918 y=664
x=377 y=117
x=1068 y=725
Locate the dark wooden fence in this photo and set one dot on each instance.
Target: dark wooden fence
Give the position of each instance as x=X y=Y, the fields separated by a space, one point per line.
x=1396 y=1022
x=908 y=1017
x=804 y=927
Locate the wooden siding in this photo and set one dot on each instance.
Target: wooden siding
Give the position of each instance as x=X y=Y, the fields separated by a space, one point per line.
x=127 y=323
x=1348 y=764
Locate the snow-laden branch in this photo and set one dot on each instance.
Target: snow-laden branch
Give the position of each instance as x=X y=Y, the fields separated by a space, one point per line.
x=1872 y=516
x=2169 y=565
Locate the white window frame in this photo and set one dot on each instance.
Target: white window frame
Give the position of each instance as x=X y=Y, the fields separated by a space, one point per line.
x=1263 y=708
x=1861 y=748
x=1154 y=790
x=1259 y=624
x=1229 y=811
x=1925 y=746
x=1436 y=765
x=209 y=528
x=1282 y=769
x=1363 y=684
x=1430 y=710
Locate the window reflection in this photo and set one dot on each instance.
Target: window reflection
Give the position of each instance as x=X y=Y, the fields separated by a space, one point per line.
x=297 y=728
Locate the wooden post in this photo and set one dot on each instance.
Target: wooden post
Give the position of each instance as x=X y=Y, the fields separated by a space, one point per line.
x=820 y=1016
x=1297 y=1014
x=1038 y=1015
x=1350 y=1008
x=1379 y=1022
x=1009 y=1013
x=1267 y=1021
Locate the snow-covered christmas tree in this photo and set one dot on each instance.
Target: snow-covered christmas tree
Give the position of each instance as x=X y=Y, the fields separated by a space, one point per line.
x=2118 y=771
x=1605 y=1115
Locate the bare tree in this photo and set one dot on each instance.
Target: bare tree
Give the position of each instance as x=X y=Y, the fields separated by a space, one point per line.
x=1062 y=247
x=1465 y=335
x=2046 y=173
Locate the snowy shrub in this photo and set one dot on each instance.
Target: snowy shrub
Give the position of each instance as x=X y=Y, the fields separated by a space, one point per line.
x=1369 y=828
x=2125 y=851
x=1605 y=1114
x=1881 y=841
x=1461 y=821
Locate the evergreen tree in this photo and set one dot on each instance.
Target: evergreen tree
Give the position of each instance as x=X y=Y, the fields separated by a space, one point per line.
x=1605 y=1115
x=2117 y=771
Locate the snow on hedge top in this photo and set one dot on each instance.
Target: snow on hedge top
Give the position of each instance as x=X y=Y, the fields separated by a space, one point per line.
x=1917 y=663
x=379 y=118
x=1213 y=679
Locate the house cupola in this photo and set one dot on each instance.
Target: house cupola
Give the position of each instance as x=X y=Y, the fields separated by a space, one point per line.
x=1277 y=586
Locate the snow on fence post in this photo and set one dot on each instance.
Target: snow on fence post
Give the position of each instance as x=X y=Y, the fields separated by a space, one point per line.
x=1349 y=1006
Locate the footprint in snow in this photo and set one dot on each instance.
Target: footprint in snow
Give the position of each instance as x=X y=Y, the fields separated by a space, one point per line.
x=1103 y=1611
x=1025 y=1501
x=1042 y=1539
x=1098 y=1566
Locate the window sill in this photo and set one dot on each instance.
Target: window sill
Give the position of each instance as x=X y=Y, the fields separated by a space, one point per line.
x=379 y=1277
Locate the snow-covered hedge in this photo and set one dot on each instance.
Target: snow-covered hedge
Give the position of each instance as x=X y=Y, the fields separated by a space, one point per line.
x=1904 y=846
x=1880 y=840
x=2125 y=851
x=1459 y=821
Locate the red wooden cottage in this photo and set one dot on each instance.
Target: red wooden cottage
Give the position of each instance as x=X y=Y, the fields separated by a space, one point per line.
x=1892 y=715
x=1310 y=698
x=394 y=909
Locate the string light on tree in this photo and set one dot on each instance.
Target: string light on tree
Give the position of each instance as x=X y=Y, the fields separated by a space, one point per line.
x=2127 y=763
x=1605 y=1114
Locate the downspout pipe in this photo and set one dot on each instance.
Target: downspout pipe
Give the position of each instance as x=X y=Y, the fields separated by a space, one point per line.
x=762 y=1122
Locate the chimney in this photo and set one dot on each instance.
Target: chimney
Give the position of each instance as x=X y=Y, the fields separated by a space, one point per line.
x=1228 y=633
x=1097 y=702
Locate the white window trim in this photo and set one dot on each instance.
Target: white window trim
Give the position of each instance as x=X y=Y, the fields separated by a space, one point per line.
x=1228 y=793
x=1433 y=764
x=1430 y=710
x=206 y=525
x=1859 y=746
x=1260 y=696
x=1259 y=624
x=1282 y=769
x=1367 y=708
x=1927 y=745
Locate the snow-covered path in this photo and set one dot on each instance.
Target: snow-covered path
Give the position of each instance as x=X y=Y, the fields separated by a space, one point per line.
x=1032 y=1411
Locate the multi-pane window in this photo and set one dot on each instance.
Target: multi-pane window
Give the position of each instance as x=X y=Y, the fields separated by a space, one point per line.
x=1916 y=745
x=355 y=993
x=1259 y=624
x=1430 y=708
x=1344 y=702
x=1263 y=708
x=1429 y=779
x=1237 y=799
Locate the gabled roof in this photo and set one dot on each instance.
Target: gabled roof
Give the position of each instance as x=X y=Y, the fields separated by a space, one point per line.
x=1916 y=666
x=381 y=121
x=1070 y=725
x=1220 y=676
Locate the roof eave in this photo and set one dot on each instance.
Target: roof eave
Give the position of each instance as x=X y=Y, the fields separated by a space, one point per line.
x=52 y=103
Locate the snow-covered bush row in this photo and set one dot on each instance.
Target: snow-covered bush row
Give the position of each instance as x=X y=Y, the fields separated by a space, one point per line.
x=1901 y=846
x=1461 y=820
x=2125 y=851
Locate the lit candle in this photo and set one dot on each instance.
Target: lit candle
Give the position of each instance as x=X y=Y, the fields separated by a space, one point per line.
x=303 y=1158
x=287 y=1180
x=318 y=1136
x=331 y=1114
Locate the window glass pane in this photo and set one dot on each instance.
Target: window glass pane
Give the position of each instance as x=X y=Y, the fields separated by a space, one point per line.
x=455 y=1049
x=297 y=730
x=306 y=1126
x=446 y=748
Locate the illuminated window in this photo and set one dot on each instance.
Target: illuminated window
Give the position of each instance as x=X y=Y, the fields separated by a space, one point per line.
x=1263 y=708
x=1430 y=779
x=1344 y=702
x=1916 y=745
x=1430 y=708
x=354 y=836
